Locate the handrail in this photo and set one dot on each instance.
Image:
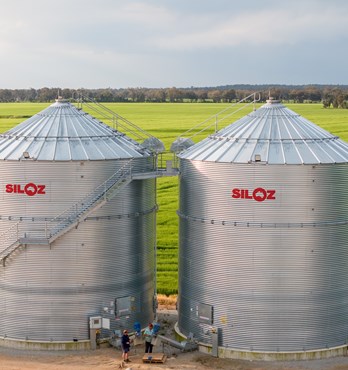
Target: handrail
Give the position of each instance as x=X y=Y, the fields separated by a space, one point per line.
x=80 y=207
x=216 y=119
x=6 y=238
x=3 y=234
x=49 y=229
x=115 y=118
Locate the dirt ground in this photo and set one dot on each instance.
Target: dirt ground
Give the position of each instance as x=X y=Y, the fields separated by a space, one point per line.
x=107 y=358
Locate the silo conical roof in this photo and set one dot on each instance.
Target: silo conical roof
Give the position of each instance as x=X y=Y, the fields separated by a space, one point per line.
x=63 y=132
x=272 y=134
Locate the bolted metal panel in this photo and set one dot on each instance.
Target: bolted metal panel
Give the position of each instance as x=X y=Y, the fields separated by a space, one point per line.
x=266 y=247
x=49 y=291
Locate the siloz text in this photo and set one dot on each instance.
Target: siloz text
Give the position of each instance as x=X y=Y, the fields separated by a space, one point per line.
x=29 y=189
x=258 y=194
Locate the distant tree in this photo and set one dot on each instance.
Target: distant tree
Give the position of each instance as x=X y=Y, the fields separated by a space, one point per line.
x=104 y=95
x=229 y=95
x=202 y=95
x=136 y=94
x=334 y=97
x=121 y=95
x=6 y=95
x=174 y=94
x=297 y=95
x=190 y=95
x=47 y=94
x=215 y=95
x=19 y=95
x=312 y=93
x=241 y=94
x=155 y=95
x=68 y=93
x=31 y=95
x=160 y=95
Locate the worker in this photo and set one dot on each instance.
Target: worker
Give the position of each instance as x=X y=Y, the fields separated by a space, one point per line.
x=125 y=344
x=148 y=334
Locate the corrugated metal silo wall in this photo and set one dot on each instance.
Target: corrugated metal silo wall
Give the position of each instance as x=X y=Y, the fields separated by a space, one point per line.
x=271 y=274
x=47 y=293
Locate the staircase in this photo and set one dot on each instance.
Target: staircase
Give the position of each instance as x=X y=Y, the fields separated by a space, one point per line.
x=14 y=237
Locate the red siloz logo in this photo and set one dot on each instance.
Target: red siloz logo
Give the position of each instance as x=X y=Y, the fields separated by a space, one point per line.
x=29 y=189
x=258 y=194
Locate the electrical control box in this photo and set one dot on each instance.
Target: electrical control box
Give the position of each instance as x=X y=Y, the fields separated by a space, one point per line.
x=95 y=322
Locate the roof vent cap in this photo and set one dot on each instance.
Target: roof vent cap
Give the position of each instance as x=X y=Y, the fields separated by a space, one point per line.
x=271 y=100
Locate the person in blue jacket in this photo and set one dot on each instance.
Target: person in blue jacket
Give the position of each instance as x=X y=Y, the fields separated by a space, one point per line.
x=125 y=344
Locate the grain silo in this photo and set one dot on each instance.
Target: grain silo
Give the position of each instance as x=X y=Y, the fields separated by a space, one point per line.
x=77 y=229
x=263 y=256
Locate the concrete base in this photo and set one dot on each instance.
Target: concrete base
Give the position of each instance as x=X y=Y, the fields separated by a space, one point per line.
x=41 y=346
x=239 y=354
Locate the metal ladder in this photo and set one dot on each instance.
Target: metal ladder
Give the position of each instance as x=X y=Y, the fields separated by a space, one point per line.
x=10 y=240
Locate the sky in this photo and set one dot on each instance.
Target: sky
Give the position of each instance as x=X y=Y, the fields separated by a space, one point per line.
x=165 y=43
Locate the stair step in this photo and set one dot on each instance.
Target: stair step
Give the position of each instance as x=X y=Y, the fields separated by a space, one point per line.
x=40 y=241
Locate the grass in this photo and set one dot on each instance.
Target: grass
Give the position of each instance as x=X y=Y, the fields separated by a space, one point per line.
x=166 y=121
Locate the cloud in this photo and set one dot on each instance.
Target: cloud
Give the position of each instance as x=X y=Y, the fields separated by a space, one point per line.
x=168 y=43
x=261 y=27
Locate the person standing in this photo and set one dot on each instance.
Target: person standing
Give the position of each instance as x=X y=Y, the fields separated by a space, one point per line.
x=148 y=334
x=125 y=344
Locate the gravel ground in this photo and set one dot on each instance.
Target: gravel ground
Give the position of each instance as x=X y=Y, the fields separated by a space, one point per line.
x=110 y=358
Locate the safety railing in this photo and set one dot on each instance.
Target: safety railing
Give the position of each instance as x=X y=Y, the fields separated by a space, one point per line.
x=118 y=122
x=214 y=122
x=9 y=241
x=45 y=232
x=88 y=204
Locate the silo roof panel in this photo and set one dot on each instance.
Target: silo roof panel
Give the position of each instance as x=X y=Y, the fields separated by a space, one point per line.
x=63 y=150
x=8 y=146
x=77 y=150
x=92 y=150
x=291 y=153
x=107 y=150
x=246 y=153
x=340 y=149
x=11 y=147
x=63 y=132
x=233 y=149
x=35 y=147
x=261 y=149
x=305 y=153
x=201 y=149
x=48 y=149
x=325 y=155
x=219 y=150
x=276 y=133
x=276 y=153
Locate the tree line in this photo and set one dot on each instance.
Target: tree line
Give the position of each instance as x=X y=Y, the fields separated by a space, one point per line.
x=335 y=96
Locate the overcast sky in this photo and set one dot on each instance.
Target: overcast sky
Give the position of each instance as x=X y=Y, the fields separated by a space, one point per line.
x=165 y=43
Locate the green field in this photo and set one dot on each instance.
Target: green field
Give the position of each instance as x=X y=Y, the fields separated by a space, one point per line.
x=166 y=121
